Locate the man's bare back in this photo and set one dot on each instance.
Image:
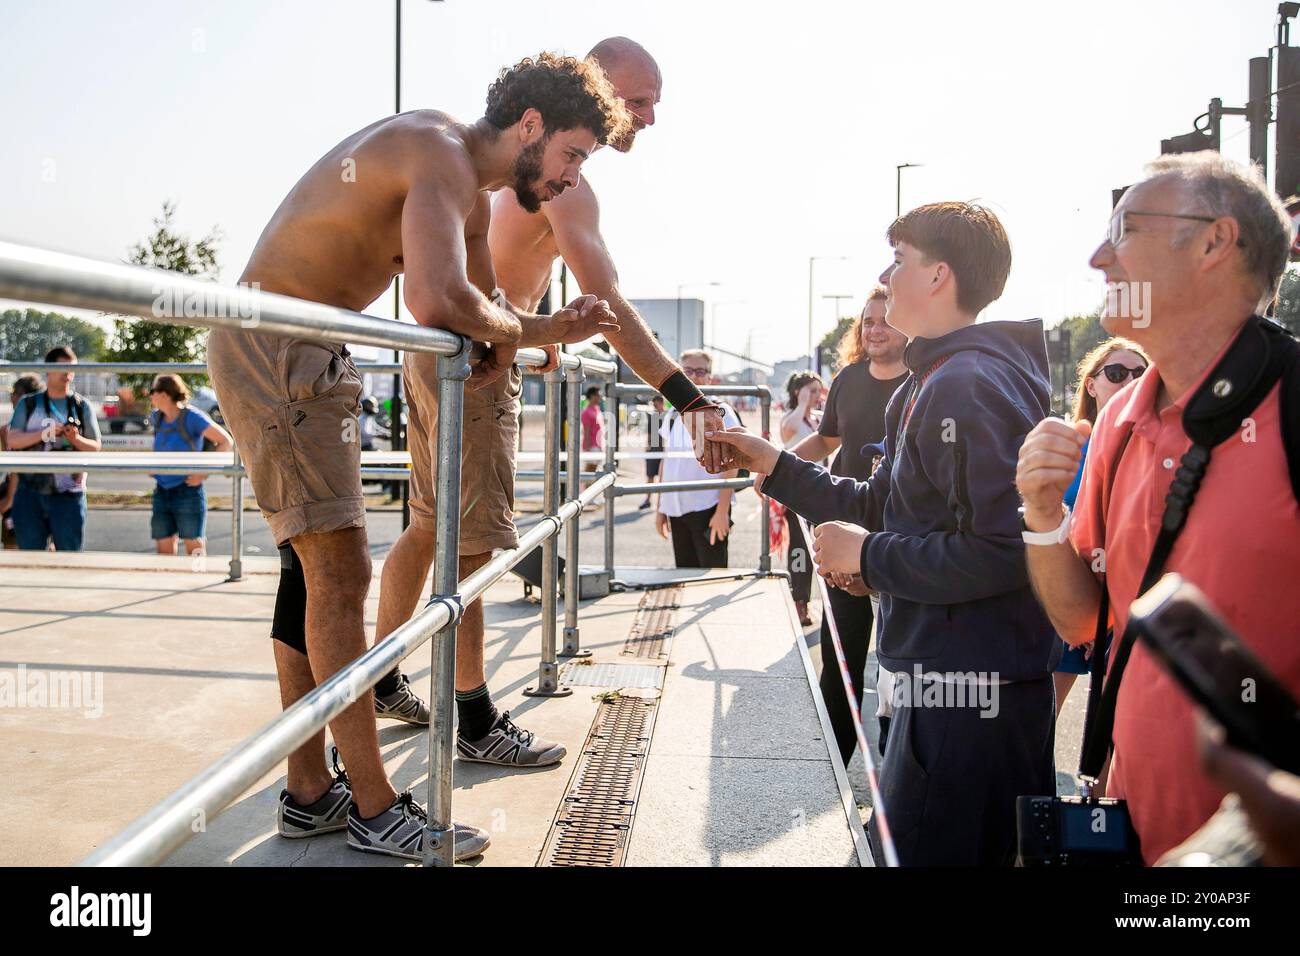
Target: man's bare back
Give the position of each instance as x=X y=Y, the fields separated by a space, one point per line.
x=337 y=237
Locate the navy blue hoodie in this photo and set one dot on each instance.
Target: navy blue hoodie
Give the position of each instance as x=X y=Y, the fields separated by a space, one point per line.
x=945 y=551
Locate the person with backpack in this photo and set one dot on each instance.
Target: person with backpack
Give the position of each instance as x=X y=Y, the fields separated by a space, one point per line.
x=52 y=507
x=180 y=505
x=1194 y=468
x=23 y=385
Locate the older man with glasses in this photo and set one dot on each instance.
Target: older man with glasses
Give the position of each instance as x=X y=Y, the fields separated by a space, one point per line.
x=1201 y=244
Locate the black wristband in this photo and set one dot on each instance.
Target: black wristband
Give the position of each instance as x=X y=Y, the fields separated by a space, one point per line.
x=682 y=394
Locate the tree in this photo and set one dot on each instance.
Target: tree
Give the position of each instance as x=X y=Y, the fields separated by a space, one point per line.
x=137 y=340
x=27 y=334
x=831 y=340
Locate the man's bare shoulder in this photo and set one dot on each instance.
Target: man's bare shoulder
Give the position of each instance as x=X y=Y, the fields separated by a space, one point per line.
x=430 y=148
x=574 y=207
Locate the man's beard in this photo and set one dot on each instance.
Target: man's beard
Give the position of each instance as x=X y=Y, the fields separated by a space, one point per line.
x=528 y=169
x=624 y=142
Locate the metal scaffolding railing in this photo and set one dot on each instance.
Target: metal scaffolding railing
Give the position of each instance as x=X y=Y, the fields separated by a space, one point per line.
x=34 y=275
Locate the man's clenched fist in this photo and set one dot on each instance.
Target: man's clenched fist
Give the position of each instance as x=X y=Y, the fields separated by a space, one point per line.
x=1049 y=460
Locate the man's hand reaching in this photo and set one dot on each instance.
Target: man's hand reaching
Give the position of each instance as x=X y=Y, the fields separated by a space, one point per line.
x=744 y=450
x=582 y=319
x=712 y=455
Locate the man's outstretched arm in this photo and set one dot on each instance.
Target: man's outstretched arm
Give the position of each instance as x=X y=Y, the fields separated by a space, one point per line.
x=575 y=221
x=438 y=290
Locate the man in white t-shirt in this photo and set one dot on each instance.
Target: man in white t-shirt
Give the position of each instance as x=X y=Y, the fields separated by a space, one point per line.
x=699 y=521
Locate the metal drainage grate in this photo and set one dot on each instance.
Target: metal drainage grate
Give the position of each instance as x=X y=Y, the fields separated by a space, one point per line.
x=652 y=629
x=615 y=676
x=594 y=820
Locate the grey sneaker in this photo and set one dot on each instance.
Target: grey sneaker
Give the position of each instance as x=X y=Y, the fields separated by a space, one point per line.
x=509 y=746
x=399 y=831
x=403 y=704
x=326 y=815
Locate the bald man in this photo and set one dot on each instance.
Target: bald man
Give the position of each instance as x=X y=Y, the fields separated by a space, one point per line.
x=525 y=244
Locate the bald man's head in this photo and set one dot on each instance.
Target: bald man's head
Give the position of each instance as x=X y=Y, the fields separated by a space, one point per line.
x=635 y=77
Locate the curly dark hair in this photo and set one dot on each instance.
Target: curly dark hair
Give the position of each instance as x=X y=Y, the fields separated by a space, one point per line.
x=794 y=385
x=569 y=93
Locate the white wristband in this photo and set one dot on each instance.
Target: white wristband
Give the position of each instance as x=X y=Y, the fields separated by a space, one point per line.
x=1059 y=535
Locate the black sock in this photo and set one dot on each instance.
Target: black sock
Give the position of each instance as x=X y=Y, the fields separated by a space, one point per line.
x=389 y=683
x=476 y=712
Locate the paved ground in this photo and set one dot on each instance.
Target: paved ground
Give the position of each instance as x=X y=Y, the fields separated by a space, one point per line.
x=738 y=773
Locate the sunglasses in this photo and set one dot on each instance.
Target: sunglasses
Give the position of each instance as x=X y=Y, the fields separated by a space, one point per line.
x=1116 y=373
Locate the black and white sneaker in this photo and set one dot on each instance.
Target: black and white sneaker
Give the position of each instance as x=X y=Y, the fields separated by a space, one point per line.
x=509 y=746
x=403 y=704
x=399 y=831
x=326 y=815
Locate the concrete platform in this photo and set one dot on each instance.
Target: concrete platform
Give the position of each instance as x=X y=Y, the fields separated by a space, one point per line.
x=160 y=666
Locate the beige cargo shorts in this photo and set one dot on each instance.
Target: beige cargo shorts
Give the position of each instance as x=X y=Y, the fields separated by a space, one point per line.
x=489 y=432
x=292 y=407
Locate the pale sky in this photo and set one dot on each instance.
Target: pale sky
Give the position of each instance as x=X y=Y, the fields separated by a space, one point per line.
x=777 y=138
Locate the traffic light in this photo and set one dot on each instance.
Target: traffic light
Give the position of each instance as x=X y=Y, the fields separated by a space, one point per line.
x=1192 y=142
x=1287 y=177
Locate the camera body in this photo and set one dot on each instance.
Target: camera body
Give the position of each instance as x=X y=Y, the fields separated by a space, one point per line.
x=1075 y=831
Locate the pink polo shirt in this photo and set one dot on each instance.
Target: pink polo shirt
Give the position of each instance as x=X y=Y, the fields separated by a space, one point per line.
x=1241 y=546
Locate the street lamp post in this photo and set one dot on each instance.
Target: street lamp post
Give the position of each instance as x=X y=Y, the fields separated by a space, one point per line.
x=898 y=186
x=811 y=261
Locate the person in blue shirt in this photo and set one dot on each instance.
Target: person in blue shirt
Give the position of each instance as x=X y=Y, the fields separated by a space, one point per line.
x=52 y=507
x=180 y=506
x=1105 y=370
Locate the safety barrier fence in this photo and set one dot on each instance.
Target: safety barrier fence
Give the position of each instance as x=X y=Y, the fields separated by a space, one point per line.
x=39 y=276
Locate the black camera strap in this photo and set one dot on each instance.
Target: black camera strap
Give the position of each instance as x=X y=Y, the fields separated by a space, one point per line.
x=1233 y=390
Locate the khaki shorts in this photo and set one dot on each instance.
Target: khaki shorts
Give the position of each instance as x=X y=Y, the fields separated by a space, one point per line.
x=292 y=407
x=489 y=431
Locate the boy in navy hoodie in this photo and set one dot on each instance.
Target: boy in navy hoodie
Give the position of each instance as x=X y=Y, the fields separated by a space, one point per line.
x=936 y=532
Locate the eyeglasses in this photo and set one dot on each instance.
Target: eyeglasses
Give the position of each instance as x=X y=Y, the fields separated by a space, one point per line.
x=1118 y=228
x=1116 y=373
x=695 y=370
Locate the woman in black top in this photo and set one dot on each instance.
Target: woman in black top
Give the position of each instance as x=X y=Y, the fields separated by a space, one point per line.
x=871 y=370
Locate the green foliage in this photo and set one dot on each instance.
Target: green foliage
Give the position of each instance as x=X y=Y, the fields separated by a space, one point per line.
x=137 y=340
x=27 y=334
x=1085 y=334
x=832 y=339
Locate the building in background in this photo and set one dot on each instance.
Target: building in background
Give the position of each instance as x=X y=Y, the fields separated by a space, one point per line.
x=676 y=331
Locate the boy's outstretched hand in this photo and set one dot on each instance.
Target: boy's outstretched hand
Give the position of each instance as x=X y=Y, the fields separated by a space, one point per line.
x=746 y=450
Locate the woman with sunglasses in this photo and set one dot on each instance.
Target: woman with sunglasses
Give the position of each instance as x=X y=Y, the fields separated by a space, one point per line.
x=1102 y=373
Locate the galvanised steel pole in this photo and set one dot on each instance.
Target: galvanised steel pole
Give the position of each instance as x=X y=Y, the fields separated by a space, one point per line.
x=548 y=670
x=573 y=488
x=236 y=522
x=612 y=436
x=439 y=837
